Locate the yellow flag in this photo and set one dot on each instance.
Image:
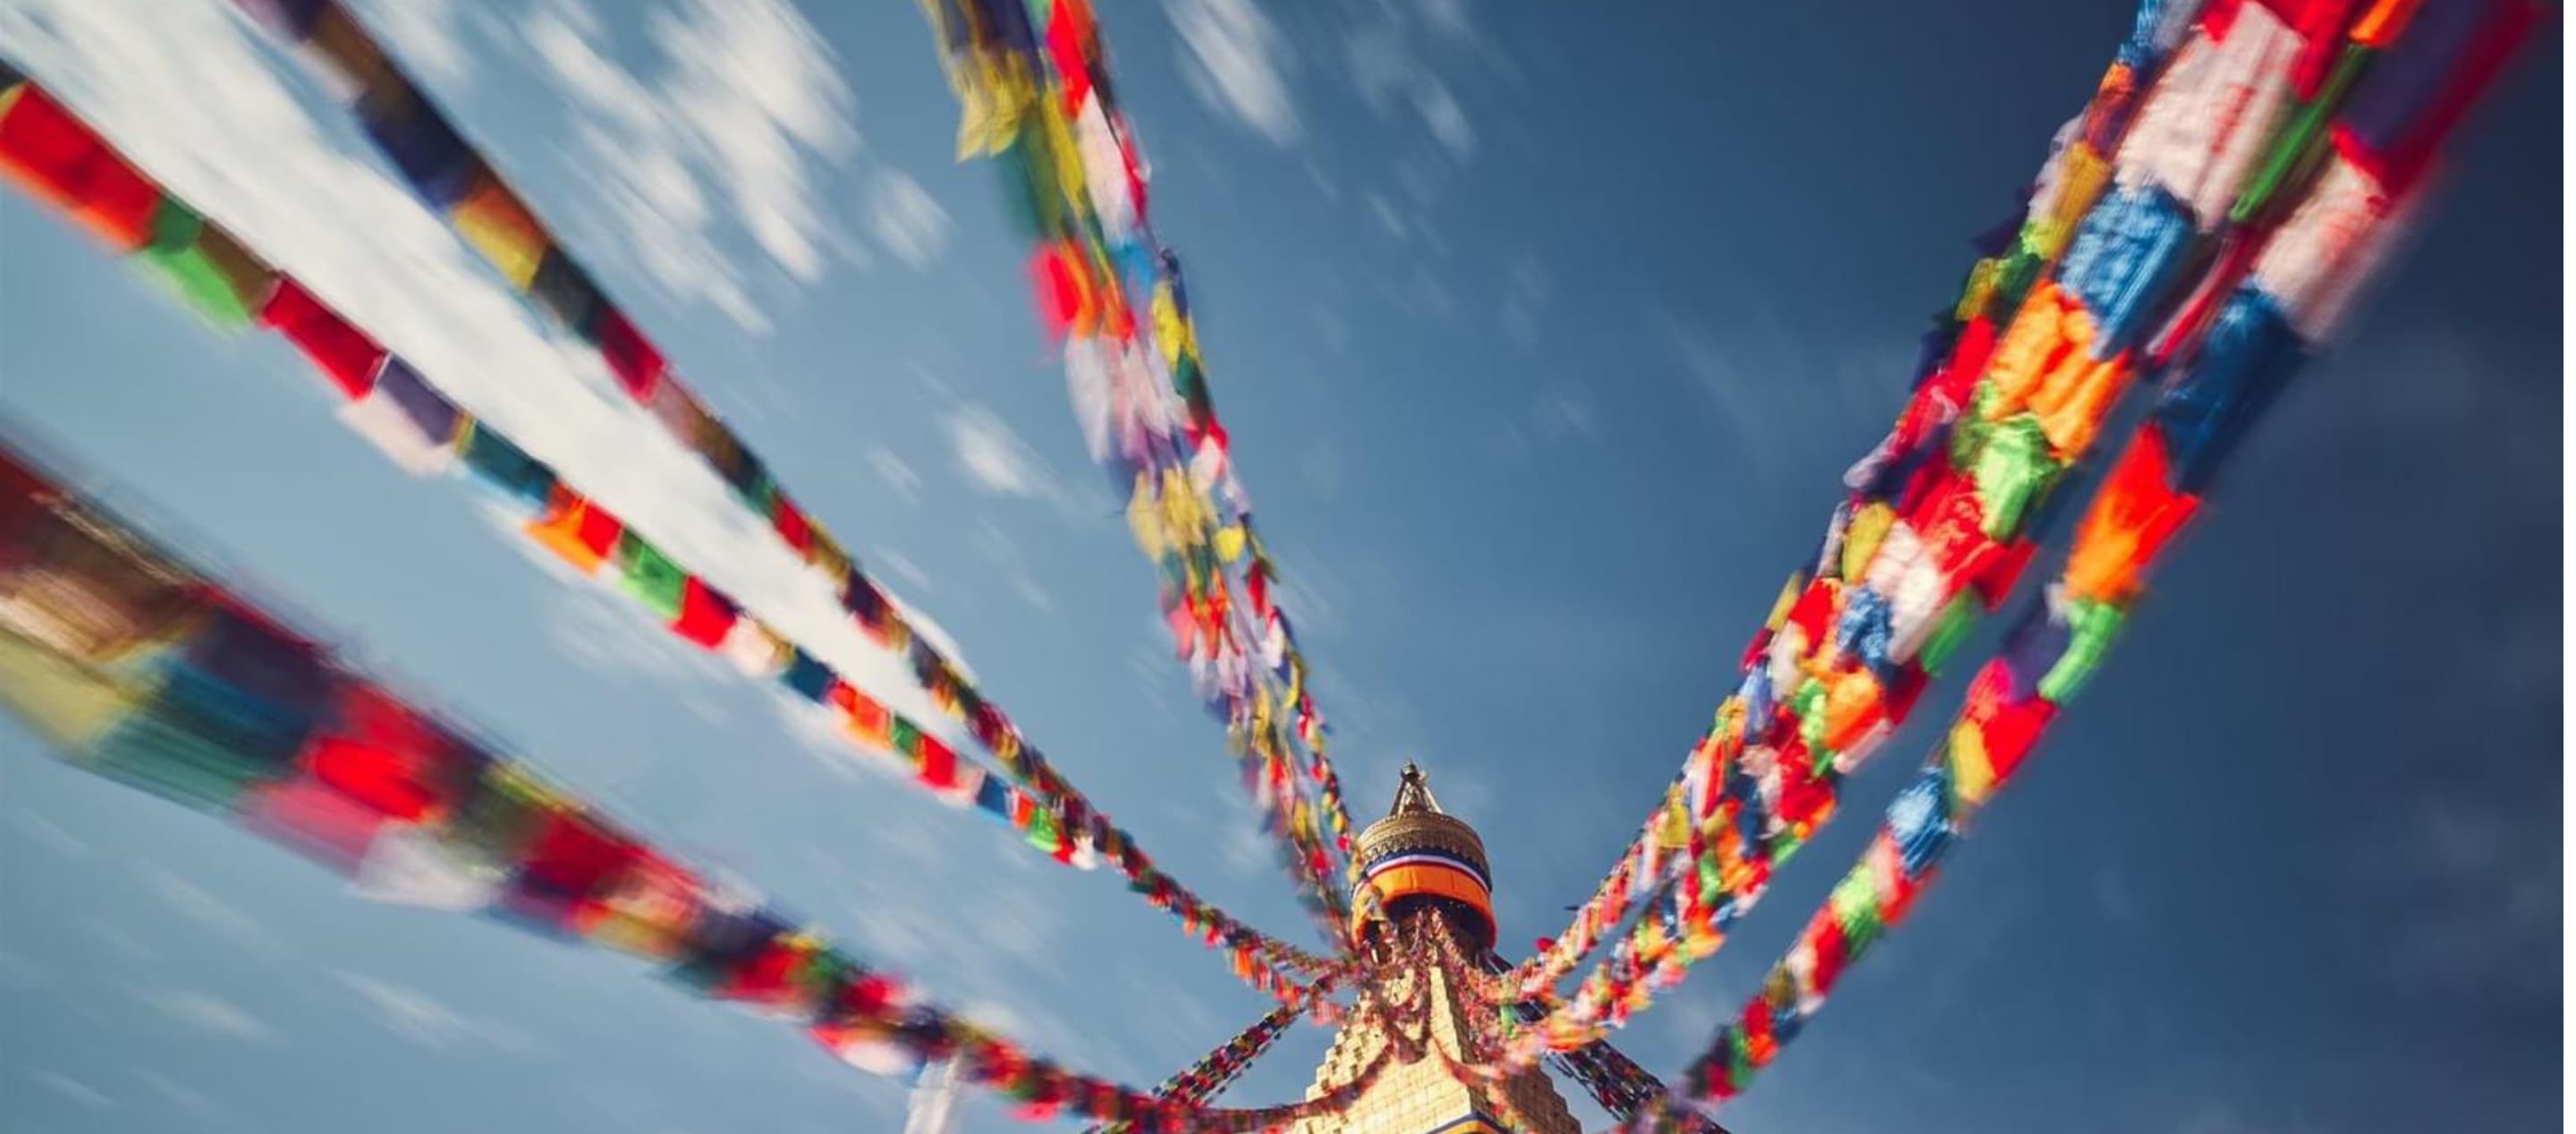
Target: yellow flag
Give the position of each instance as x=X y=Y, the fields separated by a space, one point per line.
x=1673 y=832
x=1971 y=773
x=1171 y=332
x=1861 y=537
x=1980 y=289
x=1143 y=519
x=1788 y=598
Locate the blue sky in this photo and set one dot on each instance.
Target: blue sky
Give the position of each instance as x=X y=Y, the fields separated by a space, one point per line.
x=1543 y=336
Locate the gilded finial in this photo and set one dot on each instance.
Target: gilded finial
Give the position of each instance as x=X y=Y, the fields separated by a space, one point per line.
x=1413 y=794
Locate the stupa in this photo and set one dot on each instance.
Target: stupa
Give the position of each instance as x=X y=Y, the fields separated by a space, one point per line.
x=1430 y=870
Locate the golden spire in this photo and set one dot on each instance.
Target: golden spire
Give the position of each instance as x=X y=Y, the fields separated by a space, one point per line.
x=1420 y=854
x=1427 y=868
x=1413 y=794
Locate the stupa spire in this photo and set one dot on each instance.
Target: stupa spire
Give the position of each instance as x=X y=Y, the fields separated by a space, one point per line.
x=1413 y=793
x=1429 y=871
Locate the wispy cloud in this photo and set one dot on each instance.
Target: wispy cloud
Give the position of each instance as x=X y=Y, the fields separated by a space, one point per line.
x=210 y=1014
x=1384 y=212
x=1033 y=593
x=993 y=457
x=48 y=834
x=359 y=240
x=195 y=1103
x=125 y=945
x=745 y=105
x=1528 y=290
x=1558 y=415
x=216 y=914
x=428 y=34
x=1237 y=63
x=894 y=473
x=639 y=175
x=1777 y=392
x=606 y=634
x=421 y=1018
x=905 y=569
x=1391 y=74
x=906 y=219
x=2490 y=883
x=71 y=1088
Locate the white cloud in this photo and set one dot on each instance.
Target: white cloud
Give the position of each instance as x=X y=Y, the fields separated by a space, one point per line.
x=760 y=90
x=426 y=35
x=1247 y=851
x=1236 y=62
x=1448 y=120
x=1387 y=217
x=118 y=941
x=993 y=457
x=607 y=634
x=1390 y=73
x=1526 y=296
x=906 y=220
x=196 y=1103
x=1530 y=280
x=904 y=568
x=360 y=241
x=1449 y=18
x=2488 y=878
x=1033 y=594
x=1563 y=413
x=895 y=473
x=209 y=1014
x=931 y=631
x=49 y=834
x=72 y=1089
x=746 y=105
x=409 y=1012
x=820 y=734
x=210 y=911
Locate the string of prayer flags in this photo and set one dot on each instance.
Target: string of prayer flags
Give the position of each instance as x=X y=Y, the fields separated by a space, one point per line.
x=2230 y=375
x=1756 y=806
x=137 y=667
x=397 y=409
x=1219 y=1068
x=464 y=186
x=1035 y=93
x=1934 y=529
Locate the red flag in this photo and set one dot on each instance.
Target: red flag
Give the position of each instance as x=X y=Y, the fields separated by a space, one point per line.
x=706 y=615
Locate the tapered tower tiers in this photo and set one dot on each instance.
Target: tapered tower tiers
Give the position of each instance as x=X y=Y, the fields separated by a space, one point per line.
x=1427 y=864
